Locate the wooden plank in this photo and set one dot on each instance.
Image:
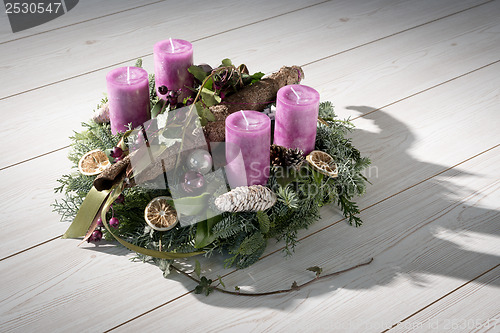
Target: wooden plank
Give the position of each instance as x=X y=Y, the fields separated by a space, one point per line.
x=436 y=129
x=413 y=238
x=26 y=198
x=472 y=308
x=388 y=224
x=376 y=75
x=105 y=42
x=55 y=123
x=83 y=12
x=61 y=287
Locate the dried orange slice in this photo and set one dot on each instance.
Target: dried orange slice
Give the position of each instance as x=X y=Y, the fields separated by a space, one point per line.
x=322 y=162
x=93 y=163
x=160 y=215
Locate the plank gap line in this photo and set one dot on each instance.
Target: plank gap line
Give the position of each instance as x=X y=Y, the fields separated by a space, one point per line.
x=392 y=195
x=319 y=230
x=444 y=211
x=30 y=248
x=440 y=298
x=150 y=310
x=32 y=158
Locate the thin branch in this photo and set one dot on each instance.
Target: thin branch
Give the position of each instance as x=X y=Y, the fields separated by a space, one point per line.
x=321 y=120
x=294 y=287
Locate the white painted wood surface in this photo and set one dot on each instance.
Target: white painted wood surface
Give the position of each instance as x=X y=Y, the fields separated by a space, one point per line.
x=444 y=30
x=416 y=260
x=250 y=50
x=422 y=78
x=449 y=314
x=86 y=12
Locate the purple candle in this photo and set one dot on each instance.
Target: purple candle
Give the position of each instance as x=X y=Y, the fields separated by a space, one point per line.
x=172 y=59
x=297 y=109
x=128 y=95
x=248 y=141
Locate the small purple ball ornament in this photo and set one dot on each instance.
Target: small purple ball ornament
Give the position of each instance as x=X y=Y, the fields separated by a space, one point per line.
x=194 y=183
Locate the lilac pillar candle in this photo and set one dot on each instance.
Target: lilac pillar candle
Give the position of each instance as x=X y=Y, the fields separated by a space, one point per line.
x=248 y=141
x=128 y=95
x=297 y=109
x=172 y=59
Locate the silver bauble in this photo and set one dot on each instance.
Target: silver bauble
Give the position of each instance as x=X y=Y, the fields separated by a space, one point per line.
x=200 y=160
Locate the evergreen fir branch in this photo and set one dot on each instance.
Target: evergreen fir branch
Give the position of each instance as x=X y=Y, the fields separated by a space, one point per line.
x=248 y=251
x=78 y=183
x=67 y=207
x=290 y=238
x=228 y=227
x=326 y=111
x=102 y=133
x=264 y=222
x=251 y=244
x=245 y=234
x=287 y=196
x=152 y=88
x=350 y=210
x=95 y=136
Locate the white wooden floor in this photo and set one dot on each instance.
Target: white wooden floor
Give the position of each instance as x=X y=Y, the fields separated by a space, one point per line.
x=421 y=80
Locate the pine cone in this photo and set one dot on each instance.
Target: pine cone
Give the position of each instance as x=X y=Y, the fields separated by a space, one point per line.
x=294 y=157
x=282 y=156
x=101 y=115
x=278 y=154
x=246 y=199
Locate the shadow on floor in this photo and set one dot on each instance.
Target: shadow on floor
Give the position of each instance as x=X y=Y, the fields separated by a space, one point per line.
x=452 y=209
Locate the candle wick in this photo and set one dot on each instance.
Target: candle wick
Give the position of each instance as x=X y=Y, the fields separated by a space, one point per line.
x=172 y=45
x=128 y=75
x=246 y=120
x=298 y=97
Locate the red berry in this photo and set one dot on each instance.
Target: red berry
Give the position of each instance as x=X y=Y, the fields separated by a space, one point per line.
x=117 y=152
x=99 y=222
x=120 y=199
x=163 y=90
x=114 y=222
x=95 y=237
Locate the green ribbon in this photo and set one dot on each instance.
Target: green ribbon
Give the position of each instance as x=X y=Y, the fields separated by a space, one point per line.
x=86 y=214
x=90 y=208
x=138 y=249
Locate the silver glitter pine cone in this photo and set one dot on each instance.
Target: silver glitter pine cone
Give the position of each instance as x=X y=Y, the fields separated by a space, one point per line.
x=246 y=199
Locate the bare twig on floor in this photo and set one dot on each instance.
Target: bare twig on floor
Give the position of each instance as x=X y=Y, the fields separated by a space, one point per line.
x=294 y=286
